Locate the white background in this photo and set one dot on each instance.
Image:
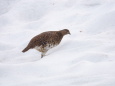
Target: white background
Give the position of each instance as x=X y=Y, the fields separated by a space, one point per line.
x=84 y=58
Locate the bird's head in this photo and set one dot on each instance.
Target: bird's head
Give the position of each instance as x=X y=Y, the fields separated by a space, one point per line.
x=65 y=32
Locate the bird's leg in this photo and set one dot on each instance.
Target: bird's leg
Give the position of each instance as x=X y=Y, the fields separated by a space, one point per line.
x=43 y=54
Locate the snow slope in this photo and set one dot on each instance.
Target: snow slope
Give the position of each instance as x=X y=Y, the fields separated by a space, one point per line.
x=84 y=58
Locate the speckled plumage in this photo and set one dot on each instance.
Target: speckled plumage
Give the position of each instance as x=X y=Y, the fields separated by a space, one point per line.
x=46 y=40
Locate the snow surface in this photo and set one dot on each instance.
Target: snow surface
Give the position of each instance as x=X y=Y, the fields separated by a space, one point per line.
x=84 y=58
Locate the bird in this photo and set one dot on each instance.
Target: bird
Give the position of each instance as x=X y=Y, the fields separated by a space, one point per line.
x=46 y=40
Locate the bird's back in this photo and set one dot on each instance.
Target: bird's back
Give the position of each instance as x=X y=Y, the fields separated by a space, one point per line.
x=50 y=37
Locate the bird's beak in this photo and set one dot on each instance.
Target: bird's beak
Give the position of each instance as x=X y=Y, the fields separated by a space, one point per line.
x=69 y=33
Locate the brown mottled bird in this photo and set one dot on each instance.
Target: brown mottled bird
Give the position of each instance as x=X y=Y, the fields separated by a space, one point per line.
x=46 y=40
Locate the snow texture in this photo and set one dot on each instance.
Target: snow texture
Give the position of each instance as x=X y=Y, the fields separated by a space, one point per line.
x=84 y=58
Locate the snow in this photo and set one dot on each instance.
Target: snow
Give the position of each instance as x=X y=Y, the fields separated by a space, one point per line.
x=84 y=58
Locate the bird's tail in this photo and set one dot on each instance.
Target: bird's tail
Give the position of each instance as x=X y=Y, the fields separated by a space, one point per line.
x=26 y=49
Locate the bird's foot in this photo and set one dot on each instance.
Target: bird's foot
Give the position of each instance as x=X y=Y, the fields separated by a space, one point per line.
x=42 y=56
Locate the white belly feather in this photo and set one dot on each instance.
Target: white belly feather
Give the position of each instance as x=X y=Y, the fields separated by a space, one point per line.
x=49 y=46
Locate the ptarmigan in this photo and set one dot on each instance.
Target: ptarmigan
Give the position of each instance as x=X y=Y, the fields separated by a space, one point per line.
x=46 y=40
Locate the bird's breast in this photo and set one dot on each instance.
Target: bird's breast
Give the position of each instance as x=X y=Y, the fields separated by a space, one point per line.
x=47 y=47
